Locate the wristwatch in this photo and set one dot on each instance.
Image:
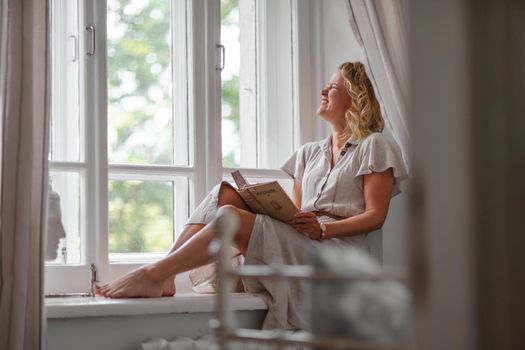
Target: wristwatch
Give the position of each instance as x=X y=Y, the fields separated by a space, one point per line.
x=323 y=230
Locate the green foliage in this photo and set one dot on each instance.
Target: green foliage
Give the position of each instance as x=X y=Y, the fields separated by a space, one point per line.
x=140 y=216
x=140 y=213
x=138 y=56
x=230 y=98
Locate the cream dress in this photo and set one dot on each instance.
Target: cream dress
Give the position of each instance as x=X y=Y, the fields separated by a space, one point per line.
x=337 y=191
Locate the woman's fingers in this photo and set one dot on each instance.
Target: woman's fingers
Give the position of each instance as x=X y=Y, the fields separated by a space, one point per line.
x=304 y=219
x=302 y=214
x=307 y=229
x=306 y=223
x=303 y=227
x=307 y=226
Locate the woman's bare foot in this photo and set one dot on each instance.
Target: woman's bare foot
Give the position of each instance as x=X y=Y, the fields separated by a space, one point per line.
x=168 y=289
x=138 y=283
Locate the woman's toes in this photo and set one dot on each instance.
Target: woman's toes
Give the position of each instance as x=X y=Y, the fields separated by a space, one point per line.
x=97 y=289
x=118 y=295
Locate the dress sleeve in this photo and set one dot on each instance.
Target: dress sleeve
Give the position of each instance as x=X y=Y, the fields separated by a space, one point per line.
x=295 y=165
x=379 y=154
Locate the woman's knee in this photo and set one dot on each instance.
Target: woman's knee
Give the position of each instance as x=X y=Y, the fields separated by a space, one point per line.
x=244 y=215
x=229 y=196
x=246 y=222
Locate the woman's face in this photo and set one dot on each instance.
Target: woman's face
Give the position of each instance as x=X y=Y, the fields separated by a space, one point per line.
x=335 y=100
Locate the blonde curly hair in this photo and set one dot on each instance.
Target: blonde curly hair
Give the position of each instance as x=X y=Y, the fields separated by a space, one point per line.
x=364 y=115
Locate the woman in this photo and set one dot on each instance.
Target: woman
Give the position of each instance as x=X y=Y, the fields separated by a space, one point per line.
x=342 y=184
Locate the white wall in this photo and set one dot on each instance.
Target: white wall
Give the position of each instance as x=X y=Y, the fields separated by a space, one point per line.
x=339 y=41
x=333 y=44
x=128 y=332
x=442 y=235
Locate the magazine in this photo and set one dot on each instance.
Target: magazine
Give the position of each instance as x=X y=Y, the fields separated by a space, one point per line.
x=267 y=198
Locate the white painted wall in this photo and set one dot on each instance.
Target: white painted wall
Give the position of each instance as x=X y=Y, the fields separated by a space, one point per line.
x=340 y=44
x=128 y=332
x=333 y=45
x=443 y=237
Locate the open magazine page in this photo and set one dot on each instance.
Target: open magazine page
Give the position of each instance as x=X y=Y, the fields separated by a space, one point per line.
x=251 y=201
x=267 y=198
x=274 y=200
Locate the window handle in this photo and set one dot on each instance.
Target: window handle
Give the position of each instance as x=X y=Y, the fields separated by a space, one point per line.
x=223 y=57
x=75 y=48
x=94 y=280
x=91 y=29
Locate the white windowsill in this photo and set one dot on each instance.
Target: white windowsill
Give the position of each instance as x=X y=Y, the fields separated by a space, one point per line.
x=80 y=307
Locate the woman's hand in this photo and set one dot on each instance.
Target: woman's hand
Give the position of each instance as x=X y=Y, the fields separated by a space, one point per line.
x=306 y=223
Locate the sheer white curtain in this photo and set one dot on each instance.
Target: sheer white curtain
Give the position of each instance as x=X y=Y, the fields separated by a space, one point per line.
x=24 y=123
x=381 y=28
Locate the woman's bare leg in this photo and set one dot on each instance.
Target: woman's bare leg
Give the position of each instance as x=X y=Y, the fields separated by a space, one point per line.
x=187 y=232
x=227 y=196
x=148 y=280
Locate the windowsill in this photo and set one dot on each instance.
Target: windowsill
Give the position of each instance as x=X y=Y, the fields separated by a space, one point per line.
x=80 y=307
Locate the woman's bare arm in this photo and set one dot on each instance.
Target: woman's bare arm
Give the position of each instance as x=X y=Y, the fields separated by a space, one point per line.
x=296 y=195
x=377 y=192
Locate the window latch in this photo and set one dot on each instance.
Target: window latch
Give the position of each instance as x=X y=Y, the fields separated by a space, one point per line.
x=91 y=30
x=220 y=66
x=94 y=280
x=75 y=47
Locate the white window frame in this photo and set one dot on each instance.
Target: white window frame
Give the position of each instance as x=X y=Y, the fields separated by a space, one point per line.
x=205 y=168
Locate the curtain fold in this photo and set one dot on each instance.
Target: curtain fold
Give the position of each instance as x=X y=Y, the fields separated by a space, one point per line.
x=24 y=113
x=381 y=28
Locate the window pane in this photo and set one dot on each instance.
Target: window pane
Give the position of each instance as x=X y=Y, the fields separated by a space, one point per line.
x=230 y=37
x=140 y=74
x=257 y=95
x=275 y=77
x=63 y=223
x=141 y=216
x=66 y=124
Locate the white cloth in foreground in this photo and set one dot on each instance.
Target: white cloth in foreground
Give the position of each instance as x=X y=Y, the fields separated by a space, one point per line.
x=370 y=310
x=206 y=342
x=179 y=343
x=338 y=192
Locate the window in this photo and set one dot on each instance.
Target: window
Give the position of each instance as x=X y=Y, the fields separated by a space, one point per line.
x=68 y=168
x=136 y=120
x=257 y=89
x=147 y=126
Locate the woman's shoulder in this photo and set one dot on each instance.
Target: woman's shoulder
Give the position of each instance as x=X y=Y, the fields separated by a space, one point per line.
x=377 y=140
x=374 y=137
x=297 y=162
x=378 y=152
x=311 y=148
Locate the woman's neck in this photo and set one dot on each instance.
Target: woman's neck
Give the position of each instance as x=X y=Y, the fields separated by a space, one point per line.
x=339 y=138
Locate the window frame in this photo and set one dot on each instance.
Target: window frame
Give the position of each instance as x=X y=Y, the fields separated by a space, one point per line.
x=203 y=108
